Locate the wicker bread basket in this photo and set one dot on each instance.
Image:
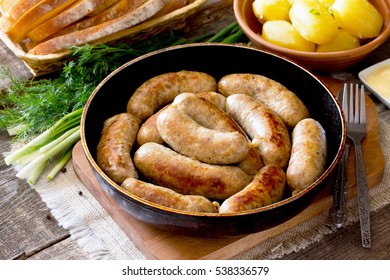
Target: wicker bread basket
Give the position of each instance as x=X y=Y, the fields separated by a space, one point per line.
x=45 y=64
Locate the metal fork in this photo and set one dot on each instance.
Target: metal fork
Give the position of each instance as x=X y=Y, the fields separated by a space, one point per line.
x=354 y=107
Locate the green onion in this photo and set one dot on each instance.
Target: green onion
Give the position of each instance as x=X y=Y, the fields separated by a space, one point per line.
x=33 y=167
x=223 y=33
x=33 y=178
x=35 y=155
x=60 y=163
x=234 y=38
x=66 y=123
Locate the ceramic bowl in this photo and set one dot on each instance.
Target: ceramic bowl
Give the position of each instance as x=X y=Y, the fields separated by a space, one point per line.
x=324 y=62
x=111 y=97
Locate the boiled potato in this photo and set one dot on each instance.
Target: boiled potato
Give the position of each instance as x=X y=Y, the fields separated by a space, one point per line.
x=358 y=17
x=326 y=3
x=266 y=10
x=313 y=21
x=282 y=33
x=343 y=41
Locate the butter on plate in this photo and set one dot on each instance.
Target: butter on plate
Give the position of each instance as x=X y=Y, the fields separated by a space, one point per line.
x=377 y=79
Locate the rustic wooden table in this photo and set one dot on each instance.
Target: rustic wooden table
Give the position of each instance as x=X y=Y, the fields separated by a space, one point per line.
x=29 y=231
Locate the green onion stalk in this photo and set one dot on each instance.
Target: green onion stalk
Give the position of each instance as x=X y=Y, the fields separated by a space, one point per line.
x=51 y=107
x=57 y=140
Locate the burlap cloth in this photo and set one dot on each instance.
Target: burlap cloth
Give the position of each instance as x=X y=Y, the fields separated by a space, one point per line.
x=101 y=238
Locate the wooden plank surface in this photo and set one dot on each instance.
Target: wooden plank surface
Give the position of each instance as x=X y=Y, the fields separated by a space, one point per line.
x=26 y=224
x=332 y=247
x=67 y=249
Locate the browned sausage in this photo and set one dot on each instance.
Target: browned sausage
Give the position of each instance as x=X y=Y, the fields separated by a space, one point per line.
x=214 y=97
x=162 y=89
x=189 y=138
x=263 y=126
x=164 y=167
x=169 y=198
x=113 y=151
x=208 y=115
x=275 y=95
x=148 y=131
x=267 y=187
x=308 y=155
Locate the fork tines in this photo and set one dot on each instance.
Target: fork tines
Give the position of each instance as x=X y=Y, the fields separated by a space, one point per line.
x=354 y=105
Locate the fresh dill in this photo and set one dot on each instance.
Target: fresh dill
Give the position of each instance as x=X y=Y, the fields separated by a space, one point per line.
x=34 y=105
x=46 y=111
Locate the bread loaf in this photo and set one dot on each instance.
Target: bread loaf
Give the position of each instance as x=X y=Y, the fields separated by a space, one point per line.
x=38 y=14
x=15 y=11
x=5 y=5
x=94 y=33
x=78 y=10
x=118 y=9
x=101 y=8
x=20 y=7
x=142 y=20
x=171 y=6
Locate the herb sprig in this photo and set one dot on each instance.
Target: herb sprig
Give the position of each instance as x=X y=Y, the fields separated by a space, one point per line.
x=36 y=104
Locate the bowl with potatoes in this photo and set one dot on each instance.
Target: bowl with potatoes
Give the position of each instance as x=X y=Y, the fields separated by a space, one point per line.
x=210 y=139
x=323 y=35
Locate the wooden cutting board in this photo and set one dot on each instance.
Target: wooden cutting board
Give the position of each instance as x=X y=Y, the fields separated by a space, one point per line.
x=157 y=244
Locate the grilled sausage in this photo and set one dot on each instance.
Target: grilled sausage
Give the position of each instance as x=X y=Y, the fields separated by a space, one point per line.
x=189 y=138
x=276 y=96
x=162 y=89
x=148 y=131
x=267 y=187
x=169 y=198
x=308 y=155
x=204 y=112
x=164 y=167
x=263 y=126
x=113 y=150
x=214 y=97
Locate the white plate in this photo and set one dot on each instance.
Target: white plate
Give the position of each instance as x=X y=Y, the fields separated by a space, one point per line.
x=366 y=72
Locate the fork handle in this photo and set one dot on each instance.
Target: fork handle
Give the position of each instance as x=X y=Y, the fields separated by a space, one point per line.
x=338 y=211
x=363 y=197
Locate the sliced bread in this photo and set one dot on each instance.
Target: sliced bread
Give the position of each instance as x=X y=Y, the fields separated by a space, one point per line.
x=77 y=11
x=85 y=36
x=5 y=5
x=118 y=9
x=20 y=7
x=103 y=7
x=15 y=11
x=35 y=16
